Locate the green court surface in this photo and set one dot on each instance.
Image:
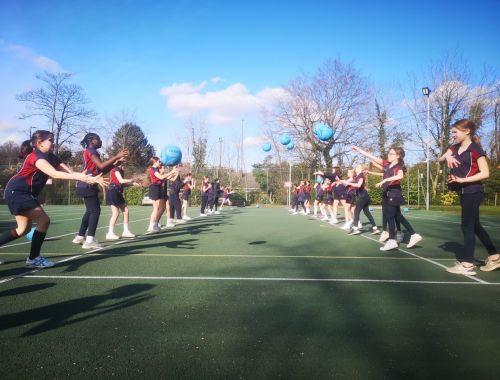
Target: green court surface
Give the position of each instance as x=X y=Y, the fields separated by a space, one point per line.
x=252 y=293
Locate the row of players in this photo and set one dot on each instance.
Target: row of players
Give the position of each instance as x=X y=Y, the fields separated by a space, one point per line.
x=40 y=163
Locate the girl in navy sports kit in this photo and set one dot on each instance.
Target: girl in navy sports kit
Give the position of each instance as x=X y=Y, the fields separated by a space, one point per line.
x=362 y=202
x=23 y=188
x=468 y=166
x=156 y=177
x=115 y=199
x=391 y=193
x=93 y=166
x=189 y=185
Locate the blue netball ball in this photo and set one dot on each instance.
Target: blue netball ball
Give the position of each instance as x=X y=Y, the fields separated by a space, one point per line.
x=290 y=146
x=171 y=155
x=266 y=147
x=323 y=132
x=285 y=139
x=29 y=235
x=319 y=179
x=316 y=128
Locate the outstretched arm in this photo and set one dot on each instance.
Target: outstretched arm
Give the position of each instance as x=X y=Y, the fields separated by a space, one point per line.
x=371 y=157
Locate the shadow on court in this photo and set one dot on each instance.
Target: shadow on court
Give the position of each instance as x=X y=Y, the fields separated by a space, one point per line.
x=69 y=312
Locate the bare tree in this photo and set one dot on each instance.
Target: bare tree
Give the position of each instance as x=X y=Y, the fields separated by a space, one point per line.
x=337 y=95
x=453 y=97
x=62 y=104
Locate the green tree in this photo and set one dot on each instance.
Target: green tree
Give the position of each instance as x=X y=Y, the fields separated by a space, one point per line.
x=130 y=136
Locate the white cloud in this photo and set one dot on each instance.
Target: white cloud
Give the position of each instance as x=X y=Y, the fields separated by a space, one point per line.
x=218 y=107
x=28 y=54
x=252 y=141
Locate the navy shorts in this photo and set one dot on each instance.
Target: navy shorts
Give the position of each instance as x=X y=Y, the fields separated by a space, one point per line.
x=185 y=196
x=18 y=202
x=351 y=197
x=155 y=192
x=86 y=190
x=114 y=197
x=319 y=198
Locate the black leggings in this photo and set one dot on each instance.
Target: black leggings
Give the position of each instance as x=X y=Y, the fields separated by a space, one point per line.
x=471 y=226
x=363 y=203
x=91 y=217
x=393 y=215
x=385 y=222
x=204 y=201
x=175 y=206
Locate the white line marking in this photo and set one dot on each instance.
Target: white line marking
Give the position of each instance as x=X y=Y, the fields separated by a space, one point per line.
x=415 y=255
x=204 y=278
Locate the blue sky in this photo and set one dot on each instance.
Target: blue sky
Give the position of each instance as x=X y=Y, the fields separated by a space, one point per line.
x=218 y=61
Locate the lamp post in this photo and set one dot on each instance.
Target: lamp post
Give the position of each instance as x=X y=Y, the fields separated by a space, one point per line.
x=426 y=92
x=31 y=128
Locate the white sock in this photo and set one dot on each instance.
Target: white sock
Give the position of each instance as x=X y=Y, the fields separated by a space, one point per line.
x=151 y=226
x=125 y=227
x=111 y=230
x=89 y=239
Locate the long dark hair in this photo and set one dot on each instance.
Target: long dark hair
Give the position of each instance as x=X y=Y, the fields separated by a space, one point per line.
x=27 y=146
x=88 y=138
x=401 y=156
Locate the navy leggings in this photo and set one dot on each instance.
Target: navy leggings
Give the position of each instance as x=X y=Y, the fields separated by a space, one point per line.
x=393 y=215
x=363 y=203
x=91 y=217
x=175 y=206
x=204 y=201
x=471 y=226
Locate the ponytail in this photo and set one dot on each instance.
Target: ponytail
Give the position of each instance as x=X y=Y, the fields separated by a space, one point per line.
x=25 y=149
x=29 y=145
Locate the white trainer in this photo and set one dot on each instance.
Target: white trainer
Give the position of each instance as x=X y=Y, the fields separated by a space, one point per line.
x=390 y=244
x=375 y=231
x=128 y=235
x=185 y=217
x=459 y=268
x=203 y=214
x=92 y=245
x=414 y=239
x=112 y=236
x=383 y=236
x=78 y=240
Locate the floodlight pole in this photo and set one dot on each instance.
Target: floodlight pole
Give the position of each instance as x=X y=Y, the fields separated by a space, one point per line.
x=426 y=92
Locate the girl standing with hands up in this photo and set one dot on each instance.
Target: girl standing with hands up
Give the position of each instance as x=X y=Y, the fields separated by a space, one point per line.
x=468 y=167
x=93 y=166
x=24 y=187
x=392 y=197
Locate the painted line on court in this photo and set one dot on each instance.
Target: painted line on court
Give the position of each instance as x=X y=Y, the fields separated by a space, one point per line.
x=68 y=234
x=264 y=279
x=414 y=255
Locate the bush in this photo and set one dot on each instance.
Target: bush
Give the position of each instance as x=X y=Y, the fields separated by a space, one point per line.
x=449 y=198
x=133 y=195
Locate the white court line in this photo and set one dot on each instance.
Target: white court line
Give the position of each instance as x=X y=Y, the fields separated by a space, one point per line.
x=483 y=223
x=68 y=234
x=28 y=273
x=283 y=279
x=414 y=255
